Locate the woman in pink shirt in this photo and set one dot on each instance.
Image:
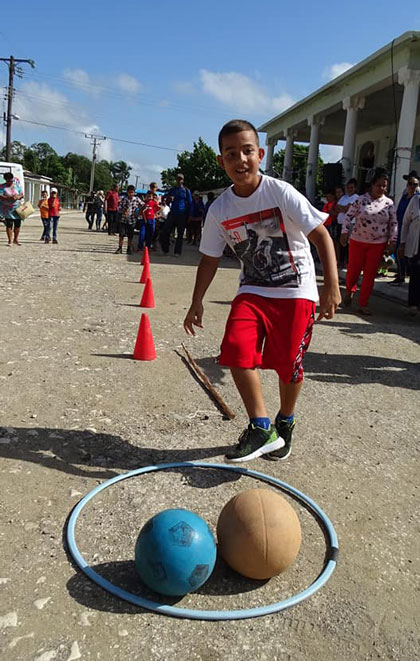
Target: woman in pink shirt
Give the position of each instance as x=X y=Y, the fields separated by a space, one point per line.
x=375 y=231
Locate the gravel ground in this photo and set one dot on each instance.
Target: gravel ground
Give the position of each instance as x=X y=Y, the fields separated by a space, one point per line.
x=75 y=409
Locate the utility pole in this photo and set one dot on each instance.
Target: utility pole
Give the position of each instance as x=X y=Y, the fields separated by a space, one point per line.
x=95 y=144
x=11 y=62
x=137 y=178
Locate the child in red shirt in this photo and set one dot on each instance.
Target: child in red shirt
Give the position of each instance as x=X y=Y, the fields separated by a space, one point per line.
x=147 y=225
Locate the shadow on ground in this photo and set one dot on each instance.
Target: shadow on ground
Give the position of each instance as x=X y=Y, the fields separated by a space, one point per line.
x=223 y=581
x=353 y=369
x=89 y=454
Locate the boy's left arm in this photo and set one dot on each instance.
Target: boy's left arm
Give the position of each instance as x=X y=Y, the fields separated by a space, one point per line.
x=330 y=297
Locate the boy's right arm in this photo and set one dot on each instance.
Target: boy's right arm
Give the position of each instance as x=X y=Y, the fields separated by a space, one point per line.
x=205 y=274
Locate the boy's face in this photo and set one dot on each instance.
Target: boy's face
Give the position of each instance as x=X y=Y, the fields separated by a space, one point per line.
x=240 y=158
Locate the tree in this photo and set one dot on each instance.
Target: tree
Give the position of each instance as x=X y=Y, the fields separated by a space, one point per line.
x=300 y=157
x=120 y=171
x=103 y=176
x=199 y=167
x=17 y=152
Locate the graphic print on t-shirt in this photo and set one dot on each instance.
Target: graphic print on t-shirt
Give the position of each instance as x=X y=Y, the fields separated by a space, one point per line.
x=260 y=241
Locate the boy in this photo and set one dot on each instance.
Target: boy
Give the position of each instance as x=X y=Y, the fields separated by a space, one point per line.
x=266 y=222
x=130 y=208
x=147 y=226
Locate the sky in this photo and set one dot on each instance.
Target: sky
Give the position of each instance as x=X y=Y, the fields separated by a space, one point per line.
x=165 y=73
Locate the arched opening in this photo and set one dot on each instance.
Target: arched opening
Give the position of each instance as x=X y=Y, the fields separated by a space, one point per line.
x=366 y=164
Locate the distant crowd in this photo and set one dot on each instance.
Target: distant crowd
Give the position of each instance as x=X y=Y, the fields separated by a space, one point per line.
x=369 y=232
x=154 y=217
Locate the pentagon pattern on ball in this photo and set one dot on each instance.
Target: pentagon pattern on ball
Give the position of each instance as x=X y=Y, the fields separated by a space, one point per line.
x=181 y=534
x=198 y=576
x=158 y=571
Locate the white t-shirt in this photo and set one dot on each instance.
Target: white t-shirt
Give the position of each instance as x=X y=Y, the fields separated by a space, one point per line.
x=267 y=231
x=343 y=202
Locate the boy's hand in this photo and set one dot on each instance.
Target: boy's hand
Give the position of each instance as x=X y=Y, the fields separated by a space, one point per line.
x=194 y=318
x=329 y=301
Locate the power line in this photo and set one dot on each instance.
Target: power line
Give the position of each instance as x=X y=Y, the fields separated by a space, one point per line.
x=131 y=142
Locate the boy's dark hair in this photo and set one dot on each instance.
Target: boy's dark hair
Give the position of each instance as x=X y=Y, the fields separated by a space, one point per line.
x=131 y=187
x=352 y=181
x=236 y=126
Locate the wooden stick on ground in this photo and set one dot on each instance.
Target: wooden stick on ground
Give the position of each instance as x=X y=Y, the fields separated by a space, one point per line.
x=208 y=385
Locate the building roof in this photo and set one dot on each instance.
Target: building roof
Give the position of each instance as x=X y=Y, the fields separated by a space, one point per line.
x=374 y=77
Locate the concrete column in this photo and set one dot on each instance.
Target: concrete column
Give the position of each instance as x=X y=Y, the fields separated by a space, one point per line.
x=288 y=156
x=312 y=162
x=410 y=78
x=271 y=143
x=351 y=105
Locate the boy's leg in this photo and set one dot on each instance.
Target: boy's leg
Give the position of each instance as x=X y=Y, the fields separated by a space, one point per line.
x=289 y=393
x=248 y=383
x=241 y=345
x=284 y=351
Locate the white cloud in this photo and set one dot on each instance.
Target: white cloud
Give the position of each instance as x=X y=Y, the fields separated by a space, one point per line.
x=146 y=173
x=336 y=70
x=241 y=93
x=128 y=83
x=78 y=77
x=38 y=102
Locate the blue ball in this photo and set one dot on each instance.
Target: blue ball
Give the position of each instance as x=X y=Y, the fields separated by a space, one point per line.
x=175 y=552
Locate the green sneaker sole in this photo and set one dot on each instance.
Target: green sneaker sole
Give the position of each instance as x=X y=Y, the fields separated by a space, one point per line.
x=264 y=449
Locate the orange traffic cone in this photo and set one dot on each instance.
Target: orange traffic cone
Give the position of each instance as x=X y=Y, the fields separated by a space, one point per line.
x=147 y=300
x=145 y=347
x=145 y=273
x=145 y=259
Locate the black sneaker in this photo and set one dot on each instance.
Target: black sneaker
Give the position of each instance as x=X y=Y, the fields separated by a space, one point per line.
x=285 y=431
x=118 y=251
x=254 y=442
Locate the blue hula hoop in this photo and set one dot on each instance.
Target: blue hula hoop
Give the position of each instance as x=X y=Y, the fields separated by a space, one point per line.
x=206 y=614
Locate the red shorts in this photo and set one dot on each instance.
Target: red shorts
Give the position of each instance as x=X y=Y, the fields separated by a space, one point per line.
x=282 y=325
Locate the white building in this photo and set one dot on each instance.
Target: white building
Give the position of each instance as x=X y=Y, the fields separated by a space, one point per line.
x=371 y=110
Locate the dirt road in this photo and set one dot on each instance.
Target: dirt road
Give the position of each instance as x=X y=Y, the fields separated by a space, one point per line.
x=75 y=409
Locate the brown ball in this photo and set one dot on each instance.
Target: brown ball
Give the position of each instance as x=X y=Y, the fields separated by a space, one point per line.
x=258 y=533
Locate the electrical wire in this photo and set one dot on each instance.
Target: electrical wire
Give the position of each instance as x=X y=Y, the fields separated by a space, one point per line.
x=131 y=142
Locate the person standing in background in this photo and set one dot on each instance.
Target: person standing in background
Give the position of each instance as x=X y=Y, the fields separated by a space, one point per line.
x=343 y=205
x=130 y=207
x=196 y=218
x=44 y=211
x=89 y=208
x=99 y=208
x=410 y=248
x=180 y=209
x=54 y=211
x=412 y=189
x=375 y=231
x=111 y=209
x=10 y=196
